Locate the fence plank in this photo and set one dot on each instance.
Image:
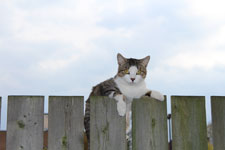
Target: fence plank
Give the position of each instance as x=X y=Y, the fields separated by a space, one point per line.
x=189 y=123
x=107 y=130
x=218 y=122
x=1 y=133
x=149 y=127
x=66 y=123
x=25 y=123
x=0 y=110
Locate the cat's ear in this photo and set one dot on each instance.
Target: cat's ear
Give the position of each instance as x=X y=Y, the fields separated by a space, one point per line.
x=145 y=61
x=121 y=60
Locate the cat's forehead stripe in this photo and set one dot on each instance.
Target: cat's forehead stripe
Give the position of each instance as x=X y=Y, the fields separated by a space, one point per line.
x=132 y=62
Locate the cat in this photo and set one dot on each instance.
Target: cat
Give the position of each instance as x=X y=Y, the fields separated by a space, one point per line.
x=127 y=84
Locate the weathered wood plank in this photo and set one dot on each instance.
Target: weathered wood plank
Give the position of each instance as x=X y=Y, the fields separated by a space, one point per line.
x=149 y=127
x=65 y=123
x=107 y=130
x=2 y=136
x=25 y=123
x=0 y=109
x=218 y=121
x=189 y=123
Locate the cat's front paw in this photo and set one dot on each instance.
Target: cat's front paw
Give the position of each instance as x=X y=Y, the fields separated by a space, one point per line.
x=121 y=108
x=148 y=94
x=157 y=95
x=121 y=105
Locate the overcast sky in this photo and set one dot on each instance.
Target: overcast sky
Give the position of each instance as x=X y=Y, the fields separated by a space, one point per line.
x=64 y=47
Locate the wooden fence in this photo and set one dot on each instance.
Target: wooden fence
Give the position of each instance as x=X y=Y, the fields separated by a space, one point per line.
x=149 y=123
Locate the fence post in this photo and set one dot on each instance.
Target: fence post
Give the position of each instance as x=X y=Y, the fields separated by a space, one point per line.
x=189 y=123
x=218 y=121
x=149 y=124
x=107 y=130
x=65 y=130
x=25 y=123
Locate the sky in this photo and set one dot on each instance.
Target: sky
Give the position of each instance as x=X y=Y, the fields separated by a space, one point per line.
x=64 y=47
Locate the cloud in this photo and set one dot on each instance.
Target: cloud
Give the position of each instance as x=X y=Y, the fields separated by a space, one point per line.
x=61 y=34
x=208 y=9
x=205 y=60
x=206 y=53
x=57 y=64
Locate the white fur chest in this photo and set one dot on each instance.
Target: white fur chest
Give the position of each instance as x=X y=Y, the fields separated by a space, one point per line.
x=129 y=90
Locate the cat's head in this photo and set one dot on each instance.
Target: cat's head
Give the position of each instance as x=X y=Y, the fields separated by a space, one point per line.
x=132 y=70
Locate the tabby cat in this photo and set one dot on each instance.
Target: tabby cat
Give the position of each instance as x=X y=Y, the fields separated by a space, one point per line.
x=129 y=83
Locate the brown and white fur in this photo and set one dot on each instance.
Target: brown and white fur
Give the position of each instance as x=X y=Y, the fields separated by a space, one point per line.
x=129 y=83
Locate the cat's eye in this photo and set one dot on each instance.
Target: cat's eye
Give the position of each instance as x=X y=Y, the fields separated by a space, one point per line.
x=126 y=71
x=139 y=72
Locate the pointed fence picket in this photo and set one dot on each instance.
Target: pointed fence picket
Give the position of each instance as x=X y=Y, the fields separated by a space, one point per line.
x=149 y=120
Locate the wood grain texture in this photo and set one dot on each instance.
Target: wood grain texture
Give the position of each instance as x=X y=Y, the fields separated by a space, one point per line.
x=189 y=123
x=149 y=127
x=25 y=123
x=66 y=123
x=218 y=121
x=107 y=130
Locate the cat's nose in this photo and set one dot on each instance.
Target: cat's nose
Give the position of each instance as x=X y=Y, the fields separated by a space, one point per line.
x=132 y=79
